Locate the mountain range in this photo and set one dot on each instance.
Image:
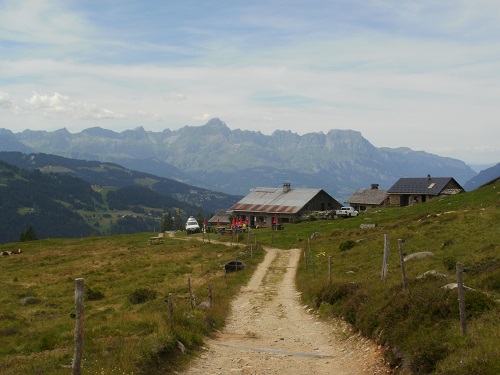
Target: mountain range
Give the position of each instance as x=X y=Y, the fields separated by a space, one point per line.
x=215 y=157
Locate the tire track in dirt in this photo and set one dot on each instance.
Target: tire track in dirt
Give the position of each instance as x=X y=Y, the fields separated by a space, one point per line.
x=269 y=332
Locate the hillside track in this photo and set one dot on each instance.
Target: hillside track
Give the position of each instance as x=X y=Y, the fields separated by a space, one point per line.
x=270 y=332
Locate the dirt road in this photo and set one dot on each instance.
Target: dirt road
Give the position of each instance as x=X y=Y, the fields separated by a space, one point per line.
x=269 y=332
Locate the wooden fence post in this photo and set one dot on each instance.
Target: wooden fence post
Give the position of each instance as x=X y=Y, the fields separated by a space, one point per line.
x=330 y=270
x=190 y=293
x=312 y=265
x=402 y=261
x=80 y=310
x=385 y=258
x=171 y=311
x=461 y=297
x=210 y=294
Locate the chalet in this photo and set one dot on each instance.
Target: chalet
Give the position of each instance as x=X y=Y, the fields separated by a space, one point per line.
x=410 y=191
x=363 y=199
x=266 y=205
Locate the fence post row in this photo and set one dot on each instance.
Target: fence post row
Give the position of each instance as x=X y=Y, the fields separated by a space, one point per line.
x=80 y=310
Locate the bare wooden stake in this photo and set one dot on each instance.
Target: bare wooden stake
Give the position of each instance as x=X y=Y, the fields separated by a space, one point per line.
x=80 y=310
x=402 y=261
x=330 y=270
x=461 y=297
x=385 y=258
x=171 y=311
x=210 y=294
x=190 y=293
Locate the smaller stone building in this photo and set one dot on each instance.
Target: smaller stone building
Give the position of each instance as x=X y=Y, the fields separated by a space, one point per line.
x=364 y=199
x=410 y=191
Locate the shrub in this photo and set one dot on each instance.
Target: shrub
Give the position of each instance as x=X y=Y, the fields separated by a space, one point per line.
x=347 y=245
x=142 y=295
x=449 y=262
x=91 y=294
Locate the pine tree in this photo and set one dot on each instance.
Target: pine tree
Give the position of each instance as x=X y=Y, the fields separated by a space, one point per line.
x=167 y=222
x=28 y=235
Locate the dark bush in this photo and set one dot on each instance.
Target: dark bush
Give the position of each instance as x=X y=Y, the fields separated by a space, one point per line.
x=91 y=294
x=142 y=295
x=347 y=245
x=449 y=262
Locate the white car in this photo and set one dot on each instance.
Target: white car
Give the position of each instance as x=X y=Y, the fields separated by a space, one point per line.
x=192 y=225
x=346 y=212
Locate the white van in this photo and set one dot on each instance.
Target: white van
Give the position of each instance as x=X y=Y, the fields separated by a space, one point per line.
x=192 y=225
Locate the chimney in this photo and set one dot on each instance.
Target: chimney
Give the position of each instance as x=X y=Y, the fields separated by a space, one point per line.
x=429 y=177
x=286 y=187
x=374 y=186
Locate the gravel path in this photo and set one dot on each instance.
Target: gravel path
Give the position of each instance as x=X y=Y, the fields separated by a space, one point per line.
x=270 y=332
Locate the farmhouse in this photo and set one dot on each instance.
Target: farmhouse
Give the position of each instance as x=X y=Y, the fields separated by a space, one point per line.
x=267 y=206
x=363 y=199
x=410 y=191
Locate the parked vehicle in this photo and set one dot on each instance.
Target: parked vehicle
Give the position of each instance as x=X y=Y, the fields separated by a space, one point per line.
x=346 y=212
x=192 y=226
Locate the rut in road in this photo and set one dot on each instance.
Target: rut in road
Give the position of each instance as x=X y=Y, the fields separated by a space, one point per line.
x=269 y=332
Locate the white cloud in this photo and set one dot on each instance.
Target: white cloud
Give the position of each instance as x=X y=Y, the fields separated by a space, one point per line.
x=7 y=104
x=61 y=104
x=204 y=117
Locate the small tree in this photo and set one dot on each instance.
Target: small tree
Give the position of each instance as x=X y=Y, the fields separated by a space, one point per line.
x=167 y=222
x=28 y=235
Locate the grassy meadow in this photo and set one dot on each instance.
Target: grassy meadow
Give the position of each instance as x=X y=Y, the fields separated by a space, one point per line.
x=419 y=326
x=127 y=326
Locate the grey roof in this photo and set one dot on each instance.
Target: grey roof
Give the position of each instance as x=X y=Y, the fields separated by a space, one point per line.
x=425 y=185
x=368 y=196
x=222 y=216
x=275 y=200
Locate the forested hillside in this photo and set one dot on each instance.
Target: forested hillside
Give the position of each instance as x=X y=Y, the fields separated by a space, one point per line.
x=55 y=205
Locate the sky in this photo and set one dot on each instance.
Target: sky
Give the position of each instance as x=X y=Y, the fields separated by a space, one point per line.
x=421 y=74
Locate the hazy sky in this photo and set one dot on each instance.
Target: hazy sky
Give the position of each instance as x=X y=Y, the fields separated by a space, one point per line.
x=422 y=74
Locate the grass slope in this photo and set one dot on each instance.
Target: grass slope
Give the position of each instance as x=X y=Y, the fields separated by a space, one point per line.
x=127 y=324
x=420 y=327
